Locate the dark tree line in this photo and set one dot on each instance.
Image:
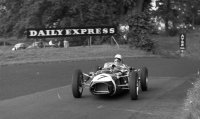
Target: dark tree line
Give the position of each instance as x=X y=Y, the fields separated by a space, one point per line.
x=18 y=15
x=178 y=12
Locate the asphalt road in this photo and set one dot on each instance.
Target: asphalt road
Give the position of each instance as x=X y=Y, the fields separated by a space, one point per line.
x=43 y=91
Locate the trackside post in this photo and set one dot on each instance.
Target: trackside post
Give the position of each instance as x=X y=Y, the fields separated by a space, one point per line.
x=182 y=43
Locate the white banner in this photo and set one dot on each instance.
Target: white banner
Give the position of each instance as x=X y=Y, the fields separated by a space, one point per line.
x=72 y=31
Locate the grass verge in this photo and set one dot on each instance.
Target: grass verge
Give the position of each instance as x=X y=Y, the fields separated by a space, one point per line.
x=62 y=54
x=192 y=103
x=166 y=46
x=169 y=46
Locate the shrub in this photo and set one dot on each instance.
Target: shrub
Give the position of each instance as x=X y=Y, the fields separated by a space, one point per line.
x=143 y=43
x=4 y=43
x=140 y=28
x=173 y=32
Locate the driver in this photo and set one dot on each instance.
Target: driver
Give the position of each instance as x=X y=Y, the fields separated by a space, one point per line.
x=118 y=60
x=118 y=65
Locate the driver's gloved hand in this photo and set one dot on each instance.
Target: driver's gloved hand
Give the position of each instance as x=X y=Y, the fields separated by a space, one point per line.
x=118 y=74
x=91 y=73
x=113 y=66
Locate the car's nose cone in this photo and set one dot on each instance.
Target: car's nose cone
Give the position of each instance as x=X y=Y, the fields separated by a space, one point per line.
x=102 y=84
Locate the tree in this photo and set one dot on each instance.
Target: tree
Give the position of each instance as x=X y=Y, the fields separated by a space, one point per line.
x=189 y=11
x=177 y=11
x=140 y=26
x=22 y=14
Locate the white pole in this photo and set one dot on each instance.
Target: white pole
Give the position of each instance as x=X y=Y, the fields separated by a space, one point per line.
x=182 y=53
x=115 y=42
x=90 y=40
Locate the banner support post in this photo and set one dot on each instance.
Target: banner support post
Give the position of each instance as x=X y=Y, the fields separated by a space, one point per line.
x=90 y=40
x=115 y=42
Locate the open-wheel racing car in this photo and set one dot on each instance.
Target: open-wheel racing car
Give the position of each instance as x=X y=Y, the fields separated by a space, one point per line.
x=110 y=81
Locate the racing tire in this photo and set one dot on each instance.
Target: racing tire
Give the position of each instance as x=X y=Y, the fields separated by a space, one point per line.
x=133 y=86
x=77 y=87
x=144 y=79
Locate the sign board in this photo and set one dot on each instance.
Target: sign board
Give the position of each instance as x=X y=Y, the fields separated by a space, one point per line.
x=70 y=31
x=182 y=43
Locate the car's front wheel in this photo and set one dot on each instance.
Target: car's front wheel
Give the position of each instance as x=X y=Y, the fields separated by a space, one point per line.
x=134 y=86
x=77 y=87
x=144 y=79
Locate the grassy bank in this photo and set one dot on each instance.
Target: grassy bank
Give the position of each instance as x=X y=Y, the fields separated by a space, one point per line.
x=192 y=103
x=61 y=54
x=169 y=46
x=166 y=46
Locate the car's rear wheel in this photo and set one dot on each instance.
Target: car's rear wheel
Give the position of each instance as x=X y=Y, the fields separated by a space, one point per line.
x=134 y=86
x=144 y=79
x=77 y=87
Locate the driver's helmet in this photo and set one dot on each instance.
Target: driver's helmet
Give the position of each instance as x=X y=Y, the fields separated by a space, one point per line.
x=118 y=60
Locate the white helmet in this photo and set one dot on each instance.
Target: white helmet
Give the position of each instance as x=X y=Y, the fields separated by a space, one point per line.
x=118 y=56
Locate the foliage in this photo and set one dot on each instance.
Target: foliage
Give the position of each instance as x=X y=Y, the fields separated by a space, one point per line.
x=173 y=32
x=177 y=11
x=22 y=14
x=192 y=103
x=140 y=27
x=19 y=15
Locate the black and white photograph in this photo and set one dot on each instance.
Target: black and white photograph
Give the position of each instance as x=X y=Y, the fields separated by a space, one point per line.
x=99 y=59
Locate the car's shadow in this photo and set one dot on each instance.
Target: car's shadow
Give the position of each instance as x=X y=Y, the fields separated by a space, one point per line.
x=119 y=95
x=124 y=94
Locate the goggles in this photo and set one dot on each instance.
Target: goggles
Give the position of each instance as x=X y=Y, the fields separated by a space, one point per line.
x=117 y=59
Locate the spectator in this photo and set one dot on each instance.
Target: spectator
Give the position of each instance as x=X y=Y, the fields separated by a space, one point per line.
x=66 y=44
x=19 y=46
x=51 y=43
x=41 y=44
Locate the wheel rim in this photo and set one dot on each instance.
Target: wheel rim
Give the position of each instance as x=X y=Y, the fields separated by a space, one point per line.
x=137 y=88
x=147 y=80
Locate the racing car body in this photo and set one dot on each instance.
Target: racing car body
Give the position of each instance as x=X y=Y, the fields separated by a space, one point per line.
x=110 y=80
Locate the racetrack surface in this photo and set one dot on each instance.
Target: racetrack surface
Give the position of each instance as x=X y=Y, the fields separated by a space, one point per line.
x=43 y=91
